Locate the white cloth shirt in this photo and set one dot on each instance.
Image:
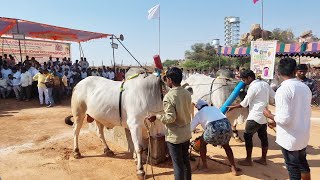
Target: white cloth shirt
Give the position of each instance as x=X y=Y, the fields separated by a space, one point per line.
x=84 y=75
x=105 y=74
x=257 y=98
x=5 y=73
x=33 y=71
x=206 y=115
x=16 y=81
x=26 y=79
x=3 y=83
x=293 y=112
x=111 y=75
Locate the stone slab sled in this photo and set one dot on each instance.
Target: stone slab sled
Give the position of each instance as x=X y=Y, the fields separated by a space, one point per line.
x=122 y=137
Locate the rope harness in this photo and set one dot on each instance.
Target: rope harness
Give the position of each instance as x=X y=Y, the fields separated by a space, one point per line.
x=120 y=96
x=149 y=151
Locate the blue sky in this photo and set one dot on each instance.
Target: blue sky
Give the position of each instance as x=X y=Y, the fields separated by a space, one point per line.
x=183 y=22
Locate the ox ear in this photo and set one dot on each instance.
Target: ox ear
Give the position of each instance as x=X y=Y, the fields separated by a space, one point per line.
x=190 y=90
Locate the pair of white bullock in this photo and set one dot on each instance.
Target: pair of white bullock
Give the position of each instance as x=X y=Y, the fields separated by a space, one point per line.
x=98 y=98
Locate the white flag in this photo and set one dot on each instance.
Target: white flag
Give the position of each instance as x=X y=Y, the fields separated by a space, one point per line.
x=154 y=12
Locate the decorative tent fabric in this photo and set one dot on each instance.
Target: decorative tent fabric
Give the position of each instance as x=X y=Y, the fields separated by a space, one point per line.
x=30 y=29
x=295 y=49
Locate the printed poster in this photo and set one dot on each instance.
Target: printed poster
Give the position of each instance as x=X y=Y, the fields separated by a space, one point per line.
x=263 y=55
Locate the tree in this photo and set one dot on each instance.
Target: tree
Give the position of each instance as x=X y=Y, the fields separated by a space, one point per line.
x=283 y=36
x=169 y=63
x=200 y=52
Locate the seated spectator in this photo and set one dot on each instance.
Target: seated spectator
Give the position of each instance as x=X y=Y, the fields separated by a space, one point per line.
x=5 y=71
x=95 y=72
x=15 y=81
x=111 y=74
x=5 y=89
x=84 y=73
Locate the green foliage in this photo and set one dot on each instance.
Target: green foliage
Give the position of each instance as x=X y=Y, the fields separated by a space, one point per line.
x=203 y=56
x=200 y=52
x=170 y=63
x=283 y=36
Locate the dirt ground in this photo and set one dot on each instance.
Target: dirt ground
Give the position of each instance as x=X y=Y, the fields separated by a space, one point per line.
x=36 y=144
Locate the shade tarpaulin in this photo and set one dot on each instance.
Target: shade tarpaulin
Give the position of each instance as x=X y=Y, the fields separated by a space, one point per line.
x=295 y=49
x=30 y=29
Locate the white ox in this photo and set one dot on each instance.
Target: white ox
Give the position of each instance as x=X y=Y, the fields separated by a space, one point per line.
x=215 y=91
x=98 y=98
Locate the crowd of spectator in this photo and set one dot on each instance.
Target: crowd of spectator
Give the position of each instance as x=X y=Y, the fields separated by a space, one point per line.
x=50 y=81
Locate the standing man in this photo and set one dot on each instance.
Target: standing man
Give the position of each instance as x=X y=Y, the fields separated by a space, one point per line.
x=257 y=98
x=302 y=70
x=292 y=118
x=177 y=119
x=26 y=82
x=42 y=89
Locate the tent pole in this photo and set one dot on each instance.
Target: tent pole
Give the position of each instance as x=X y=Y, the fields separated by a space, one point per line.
x=80 y=50
x=2 y=45
x=19 y=42
x=114 y=61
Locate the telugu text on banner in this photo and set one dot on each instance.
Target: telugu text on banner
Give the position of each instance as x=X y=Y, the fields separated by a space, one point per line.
x=41 y=50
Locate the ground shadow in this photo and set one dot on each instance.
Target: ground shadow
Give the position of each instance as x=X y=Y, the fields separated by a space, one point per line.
x=10 y=106
x=257 y=142
x=149 y=176
x=123 y=155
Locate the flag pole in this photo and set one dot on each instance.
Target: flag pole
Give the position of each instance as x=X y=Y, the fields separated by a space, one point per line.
x=262 y=18
x=159 y=29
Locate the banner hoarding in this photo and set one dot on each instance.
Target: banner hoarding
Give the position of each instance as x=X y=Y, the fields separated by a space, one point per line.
x=41 y=50
x=263 y=55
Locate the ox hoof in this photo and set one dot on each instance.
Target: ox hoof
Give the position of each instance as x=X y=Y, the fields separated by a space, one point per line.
x=77 y=155
x=238 y=140
x=140 y=174
x=108 y=153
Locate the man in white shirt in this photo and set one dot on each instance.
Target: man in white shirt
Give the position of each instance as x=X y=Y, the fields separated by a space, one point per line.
x=5 y=71
x=4 y=88
x=50 y=61
x=26 y=83
x=292 y=118
x=257 y=98
x=110 y=74
x=84 y=73
x=85 y=63
x=16 y=82
x=217 y=131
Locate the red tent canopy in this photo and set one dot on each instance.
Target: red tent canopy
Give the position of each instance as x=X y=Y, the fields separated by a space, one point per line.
x=30 y=29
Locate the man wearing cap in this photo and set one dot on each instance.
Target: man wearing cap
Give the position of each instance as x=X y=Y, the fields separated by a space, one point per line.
x=217 y=132
x=302 y=70
x=176 y=118
x=257 y=98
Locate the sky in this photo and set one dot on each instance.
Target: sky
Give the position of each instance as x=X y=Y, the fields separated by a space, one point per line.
x=183 y=23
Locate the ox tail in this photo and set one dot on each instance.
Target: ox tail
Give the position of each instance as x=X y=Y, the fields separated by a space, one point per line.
x=68 y=121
